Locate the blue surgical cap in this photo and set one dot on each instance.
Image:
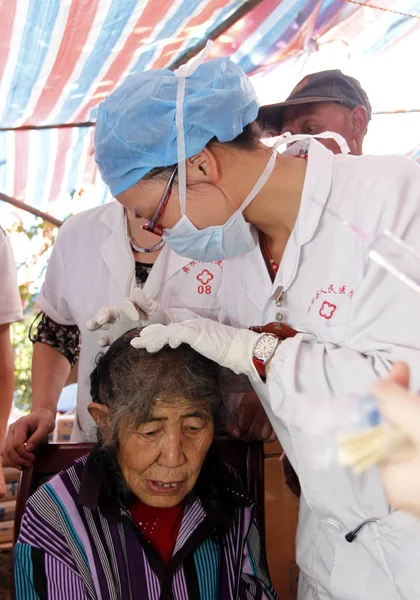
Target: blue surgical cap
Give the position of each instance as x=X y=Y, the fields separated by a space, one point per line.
x=135 y=127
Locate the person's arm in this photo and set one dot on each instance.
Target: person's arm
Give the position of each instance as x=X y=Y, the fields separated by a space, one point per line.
x=51 y=361
x=401 y=475
x=56 y=351
x=50 y=370
x=39 y=575
x=254 y=579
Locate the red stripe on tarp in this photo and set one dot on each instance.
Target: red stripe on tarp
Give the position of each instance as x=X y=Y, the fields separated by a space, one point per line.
x=240 y=31
x=171 y=49
x=63 y=148
x=79 y=23
x=141 y=31
x=22 y=139
x=293 y=44
x=7 y=19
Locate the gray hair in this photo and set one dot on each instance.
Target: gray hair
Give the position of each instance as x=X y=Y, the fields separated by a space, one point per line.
x=130 y=382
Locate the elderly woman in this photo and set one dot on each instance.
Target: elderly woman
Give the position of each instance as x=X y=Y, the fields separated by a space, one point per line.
x=152 y=512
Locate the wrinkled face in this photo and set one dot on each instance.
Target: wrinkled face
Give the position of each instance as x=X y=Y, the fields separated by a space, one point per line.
x=162 y=459
x=318 y=117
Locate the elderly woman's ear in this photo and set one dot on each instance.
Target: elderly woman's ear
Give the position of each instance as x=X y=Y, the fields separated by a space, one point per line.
x=100 y=414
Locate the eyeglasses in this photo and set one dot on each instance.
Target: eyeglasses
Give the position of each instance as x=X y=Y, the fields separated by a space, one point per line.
x=153 y=224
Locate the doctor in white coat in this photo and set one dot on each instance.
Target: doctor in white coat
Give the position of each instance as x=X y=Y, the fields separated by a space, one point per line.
x=354 y=319
x=94 y=263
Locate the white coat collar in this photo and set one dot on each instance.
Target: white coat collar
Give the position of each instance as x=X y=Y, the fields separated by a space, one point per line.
x=119 y=259
x=315 y=193
x=115 y=249
x=167 y=264
x=316 y=190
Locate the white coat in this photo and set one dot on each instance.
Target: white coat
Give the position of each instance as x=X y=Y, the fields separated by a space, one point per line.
x=92 y=265
x=356 y=319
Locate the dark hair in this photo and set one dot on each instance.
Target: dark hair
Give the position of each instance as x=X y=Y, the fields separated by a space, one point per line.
x=129 y=381
x=247 y=140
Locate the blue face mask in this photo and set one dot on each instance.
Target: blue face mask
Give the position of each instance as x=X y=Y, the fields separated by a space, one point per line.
x=213 y=243
x=218 y=242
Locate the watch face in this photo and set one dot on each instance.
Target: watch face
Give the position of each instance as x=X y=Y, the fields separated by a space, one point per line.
x=265 y=347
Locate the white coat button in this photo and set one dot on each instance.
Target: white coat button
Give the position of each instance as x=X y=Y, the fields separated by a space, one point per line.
x=279 y=316
x=332 y=525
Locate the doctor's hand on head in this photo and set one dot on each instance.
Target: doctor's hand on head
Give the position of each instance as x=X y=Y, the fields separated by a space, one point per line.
x=401 y=477
x=229 y=347
x=139 y=311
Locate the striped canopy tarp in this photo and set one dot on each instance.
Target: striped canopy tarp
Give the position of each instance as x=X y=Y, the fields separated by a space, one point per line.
x=60 y=58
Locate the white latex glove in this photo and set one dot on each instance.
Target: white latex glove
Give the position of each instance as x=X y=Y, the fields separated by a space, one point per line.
x=139 y=311
x=227 y=346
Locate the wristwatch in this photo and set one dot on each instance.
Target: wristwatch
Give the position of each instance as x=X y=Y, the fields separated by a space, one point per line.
x=263 y=351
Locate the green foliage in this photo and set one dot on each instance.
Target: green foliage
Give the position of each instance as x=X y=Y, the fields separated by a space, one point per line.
x=44 y=233
x=23 y=360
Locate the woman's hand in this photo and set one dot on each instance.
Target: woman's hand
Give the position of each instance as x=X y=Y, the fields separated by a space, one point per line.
x=139 y=311
x=229 y=347
x=25 y=435
x=402 y=409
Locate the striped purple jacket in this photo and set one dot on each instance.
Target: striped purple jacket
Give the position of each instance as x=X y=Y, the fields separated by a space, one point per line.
x=69 y=548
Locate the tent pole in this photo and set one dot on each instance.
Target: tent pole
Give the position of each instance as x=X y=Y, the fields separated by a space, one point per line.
x=31 y=209
x=42 y=127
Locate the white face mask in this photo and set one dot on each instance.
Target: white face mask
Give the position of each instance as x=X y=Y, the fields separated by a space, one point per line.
x=234 y=237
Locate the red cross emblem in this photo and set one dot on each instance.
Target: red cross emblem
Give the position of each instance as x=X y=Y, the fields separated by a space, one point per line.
x=205 y=277
x=327 y=310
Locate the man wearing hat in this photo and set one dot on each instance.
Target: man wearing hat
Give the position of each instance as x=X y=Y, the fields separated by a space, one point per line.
x=324 y=101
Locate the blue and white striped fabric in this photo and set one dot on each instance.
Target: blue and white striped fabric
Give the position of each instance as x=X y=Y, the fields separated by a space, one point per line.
x=68 y=549
x=59 y=59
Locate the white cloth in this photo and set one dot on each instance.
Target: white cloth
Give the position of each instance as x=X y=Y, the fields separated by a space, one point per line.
x=10 y=302
x=92 y=266
x=355 y=319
